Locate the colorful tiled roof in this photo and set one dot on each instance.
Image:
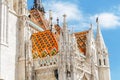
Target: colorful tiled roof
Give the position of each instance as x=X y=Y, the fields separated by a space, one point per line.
x=38 y=18
x=81 y=41
x=43 y=44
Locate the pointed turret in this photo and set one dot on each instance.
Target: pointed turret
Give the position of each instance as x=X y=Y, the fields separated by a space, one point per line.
x=38 y=5
x=64 y=22
x=50 y=20
x=99 y=38
x=65 y=57
x=90 y=46
x=91 y=31
x=102 y=55
x=65 y=30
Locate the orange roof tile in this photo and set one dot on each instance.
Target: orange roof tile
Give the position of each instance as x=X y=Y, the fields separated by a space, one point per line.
x=38 y=18
x=57 y=27
x=44 y=44
x=81 y=41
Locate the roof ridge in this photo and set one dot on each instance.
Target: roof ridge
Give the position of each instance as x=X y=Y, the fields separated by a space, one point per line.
x=81 y=32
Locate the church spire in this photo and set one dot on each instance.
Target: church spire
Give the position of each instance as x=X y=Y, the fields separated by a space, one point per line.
x=38 y=5
x=64 y=22
x=99 y=37
x=103 y=58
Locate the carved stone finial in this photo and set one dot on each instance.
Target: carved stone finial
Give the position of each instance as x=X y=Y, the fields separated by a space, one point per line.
x=57 y=21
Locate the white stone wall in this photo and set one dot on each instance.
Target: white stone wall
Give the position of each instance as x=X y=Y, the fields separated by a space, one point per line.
x=8 y=51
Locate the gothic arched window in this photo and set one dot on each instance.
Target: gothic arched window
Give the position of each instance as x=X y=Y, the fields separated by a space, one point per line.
x=99 y=61
x=104 y=62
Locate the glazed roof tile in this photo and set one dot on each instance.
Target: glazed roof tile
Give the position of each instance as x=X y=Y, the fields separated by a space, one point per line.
x=81 y=38
x=43 y=44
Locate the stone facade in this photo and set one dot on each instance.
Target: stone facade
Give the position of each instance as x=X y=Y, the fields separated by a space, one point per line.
x=17 y=62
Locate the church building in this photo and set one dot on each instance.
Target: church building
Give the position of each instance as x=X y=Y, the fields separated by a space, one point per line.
x=34 y=48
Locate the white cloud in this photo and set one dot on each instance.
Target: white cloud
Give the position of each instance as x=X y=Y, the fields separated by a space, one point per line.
x=107 y=20
x=75 y=17
x=80 y=21
x=60 y=8
x=110 y=18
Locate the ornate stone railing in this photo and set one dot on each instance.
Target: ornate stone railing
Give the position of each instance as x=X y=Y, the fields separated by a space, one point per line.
x=45 y=62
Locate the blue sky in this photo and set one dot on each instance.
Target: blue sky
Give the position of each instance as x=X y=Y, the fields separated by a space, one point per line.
x=80 y=13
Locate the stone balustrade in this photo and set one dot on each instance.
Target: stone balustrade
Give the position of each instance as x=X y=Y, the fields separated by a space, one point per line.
x=45 y=62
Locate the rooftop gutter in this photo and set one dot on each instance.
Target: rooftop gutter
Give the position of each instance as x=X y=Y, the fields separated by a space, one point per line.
x=35 y=26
